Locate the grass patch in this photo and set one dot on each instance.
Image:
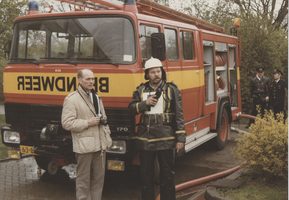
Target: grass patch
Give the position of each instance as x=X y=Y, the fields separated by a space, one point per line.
x=258 y=189
x=3 y=148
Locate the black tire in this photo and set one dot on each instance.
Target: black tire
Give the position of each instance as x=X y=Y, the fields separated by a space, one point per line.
x=223 y=129
x=42 y=161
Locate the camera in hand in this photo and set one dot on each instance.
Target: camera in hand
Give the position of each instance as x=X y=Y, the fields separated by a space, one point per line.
x=103 y=121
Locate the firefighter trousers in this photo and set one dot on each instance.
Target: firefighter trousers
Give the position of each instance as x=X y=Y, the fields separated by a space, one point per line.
x=166 y=166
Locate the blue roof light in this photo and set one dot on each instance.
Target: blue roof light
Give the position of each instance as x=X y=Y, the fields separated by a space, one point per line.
x=33 y=5
x=129 y=2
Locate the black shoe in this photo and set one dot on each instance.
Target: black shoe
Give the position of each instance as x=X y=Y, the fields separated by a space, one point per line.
x=247 y=126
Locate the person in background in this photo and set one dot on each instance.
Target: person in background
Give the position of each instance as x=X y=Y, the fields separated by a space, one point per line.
x=259 y=86
x=161 y=129
x=80 y=116
x=277 y=91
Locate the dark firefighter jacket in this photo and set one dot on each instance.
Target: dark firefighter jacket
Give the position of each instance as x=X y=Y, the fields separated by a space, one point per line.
x=259 y=88
x=277 y=92
x=159 y=131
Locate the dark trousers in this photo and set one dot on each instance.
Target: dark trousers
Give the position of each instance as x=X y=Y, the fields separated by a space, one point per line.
x=278 y=108
x=262 y=105
x=167 y=182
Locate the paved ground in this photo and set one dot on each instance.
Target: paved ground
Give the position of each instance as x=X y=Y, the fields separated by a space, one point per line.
x=21 y=179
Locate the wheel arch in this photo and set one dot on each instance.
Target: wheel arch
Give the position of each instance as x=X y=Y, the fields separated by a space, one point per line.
x=223 y=103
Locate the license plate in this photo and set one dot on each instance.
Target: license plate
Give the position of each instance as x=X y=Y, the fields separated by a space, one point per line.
x=27 y=150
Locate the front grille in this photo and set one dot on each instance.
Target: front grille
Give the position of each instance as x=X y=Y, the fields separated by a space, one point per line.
x=120 y=121
x=32 y=115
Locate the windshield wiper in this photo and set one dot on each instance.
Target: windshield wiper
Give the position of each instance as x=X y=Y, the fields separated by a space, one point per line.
x=34 y=62
x=102 y=60
x=109 y=61
x=67 y=61
x=71 y=62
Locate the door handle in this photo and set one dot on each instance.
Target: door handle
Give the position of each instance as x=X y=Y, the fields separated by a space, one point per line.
x=198 y=72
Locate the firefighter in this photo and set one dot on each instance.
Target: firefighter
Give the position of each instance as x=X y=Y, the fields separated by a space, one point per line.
x=277 y=90
x=80 y=116
x=259 y=92
x=161 y=129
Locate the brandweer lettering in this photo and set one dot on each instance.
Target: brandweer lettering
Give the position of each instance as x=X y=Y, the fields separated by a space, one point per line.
x=61 y=84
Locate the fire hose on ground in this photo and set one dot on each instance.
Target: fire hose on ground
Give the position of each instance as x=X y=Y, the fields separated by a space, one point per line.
x=199 y=181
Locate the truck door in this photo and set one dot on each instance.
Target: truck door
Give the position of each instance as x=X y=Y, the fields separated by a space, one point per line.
x=191 y=75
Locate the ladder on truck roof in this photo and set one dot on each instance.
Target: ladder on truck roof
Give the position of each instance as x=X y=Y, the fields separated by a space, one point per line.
x=93 y=4
x=151 y=8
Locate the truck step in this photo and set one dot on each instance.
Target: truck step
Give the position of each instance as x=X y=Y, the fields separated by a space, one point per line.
x=199 y=141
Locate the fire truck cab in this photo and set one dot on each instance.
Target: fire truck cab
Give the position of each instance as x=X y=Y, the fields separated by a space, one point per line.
x=114 y=41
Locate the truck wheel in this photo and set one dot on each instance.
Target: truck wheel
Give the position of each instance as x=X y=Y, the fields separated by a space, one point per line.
x=222 y=131
x=42 y=161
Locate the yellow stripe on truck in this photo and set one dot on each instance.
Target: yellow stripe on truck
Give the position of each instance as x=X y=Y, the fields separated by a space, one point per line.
x=107 y=85
x=187 y=79
x=117 y=85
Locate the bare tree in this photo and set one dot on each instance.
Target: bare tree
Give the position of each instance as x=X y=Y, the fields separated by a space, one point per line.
x=268 y=9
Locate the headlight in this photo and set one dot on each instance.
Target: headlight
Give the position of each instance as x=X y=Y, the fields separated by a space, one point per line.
x=11 y=137
x=118 y=146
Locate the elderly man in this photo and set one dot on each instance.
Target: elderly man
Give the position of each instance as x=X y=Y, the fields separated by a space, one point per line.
x=161 y=129
x=80 y=115
x=259 y=86
x=277 y=91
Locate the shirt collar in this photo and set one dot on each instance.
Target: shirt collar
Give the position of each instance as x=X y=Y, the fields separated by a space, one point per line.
x=277 y=80
x=258 y=77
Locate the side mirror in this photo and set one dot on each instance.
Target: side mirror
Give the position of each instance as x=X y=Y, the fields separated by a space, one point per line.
x=7 y=48
x=158 y=46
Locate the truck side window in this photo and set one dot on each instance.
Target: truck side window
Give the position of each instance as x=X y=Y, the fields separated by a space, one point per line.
x=187 y=45
x=145 y=42
x=31 y=44
x=171 y=44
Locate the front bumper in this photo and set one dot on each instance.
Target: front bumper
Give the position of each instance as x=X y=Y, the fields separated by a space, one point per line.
x=30 y=143
x=117 y=158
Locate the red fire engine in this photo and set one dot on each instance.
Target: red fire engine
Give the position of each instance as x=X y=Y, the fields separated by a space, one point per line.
x=47 y=50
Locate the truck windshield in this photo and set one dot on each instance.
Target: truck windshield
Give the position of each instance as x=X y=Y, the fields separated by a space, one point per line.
x=74 y=40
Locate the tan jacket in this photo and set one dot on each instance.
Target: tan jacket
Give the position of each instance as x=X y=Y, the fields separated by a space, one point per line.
x=75 y=116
